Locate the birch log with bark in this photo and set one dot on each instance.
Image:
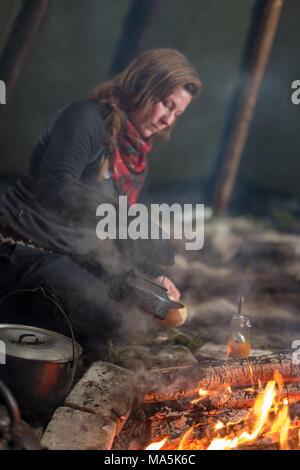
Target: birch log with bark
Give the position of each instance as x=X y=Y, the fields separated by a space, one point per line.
x=235 y=373
x=245 y=398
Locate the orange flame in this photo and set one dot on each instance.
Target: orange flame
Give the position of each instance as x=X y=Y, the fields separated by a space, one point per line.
x=157 y=445
x=202 y=394
x=268 y=417
x=185 y=438
x=219 y=425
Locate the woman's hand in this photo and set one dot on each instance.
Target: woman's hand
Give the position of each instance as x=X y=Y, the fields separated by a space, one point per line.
x=170 y=286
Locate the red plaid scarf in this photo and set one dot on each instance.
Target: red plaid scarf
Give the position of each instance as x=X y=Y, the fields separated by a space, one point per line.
x=129 y=164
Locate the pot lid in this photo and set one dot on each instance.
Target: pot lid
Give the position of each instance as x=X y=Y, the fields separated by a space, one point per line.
x=37 y=344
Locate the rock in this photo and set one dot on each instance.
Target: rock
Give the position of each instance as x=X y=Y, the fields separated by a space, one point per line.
x=106 y=390
x=218 y=352
x=71 y=429
x=159 y=356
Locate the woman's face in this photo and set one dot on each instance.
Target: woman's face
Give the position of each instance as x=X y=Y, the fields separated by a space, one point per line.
x=162 y=114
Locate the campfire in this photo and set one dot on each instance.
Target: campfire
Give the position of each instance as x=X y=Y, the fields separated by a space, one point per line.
x=266 y=425
x=251 y=403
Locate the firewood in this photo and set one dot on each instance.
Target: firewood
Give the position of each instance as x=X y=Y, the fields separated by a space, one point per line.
x=295 y=411
x=176 y=423
x=165 y=427
x=202 y=418
x=202 y=437
x=218 y=375
x=245 y=398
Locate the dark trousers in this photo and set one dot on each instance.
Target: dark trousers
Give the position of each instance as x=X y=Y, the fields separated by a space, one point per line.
x=95 y=318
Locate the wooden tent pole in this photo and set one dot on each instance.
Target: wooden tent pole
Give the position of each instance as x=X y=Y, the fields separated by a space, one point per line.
x=136 y=30
x=248 y=97
x=19 y=42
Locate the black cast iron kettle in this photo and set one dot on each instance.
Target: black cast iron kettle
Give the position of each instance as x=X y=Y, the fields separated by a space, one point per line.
x=19 y=435
x=135 y=290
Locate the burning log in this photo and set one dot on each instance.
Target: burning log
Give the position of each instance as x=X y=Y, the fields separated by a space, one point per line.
x=222 y=425
x=245 y=398
x=175 y=424
x=232 y=429
x=242 y=404
x=204 y=426
x=257 y=417
x=172 y=427
x=171 y=385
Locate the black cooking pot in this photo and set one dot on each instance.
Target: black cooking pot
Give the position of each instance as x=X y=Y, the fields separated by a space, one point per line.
x=39 y=364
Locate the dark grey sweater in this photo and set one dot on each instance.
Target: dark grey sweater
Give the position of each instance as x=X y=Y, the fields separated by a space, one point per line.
x=55 y=203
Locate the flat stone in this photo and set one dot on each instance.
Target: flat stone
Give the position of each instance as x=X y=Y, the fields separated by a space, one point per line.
x=218 y=352
x=105 y=389
x=77 y=430
x=158 y=356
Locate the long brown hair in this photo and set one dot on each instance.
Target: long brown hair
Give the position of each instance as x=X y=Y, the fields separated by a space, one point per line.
x=149 y=78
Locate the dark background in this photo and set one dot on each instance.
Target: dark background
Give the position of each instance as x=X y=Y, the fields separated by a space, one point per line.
x=82 y=42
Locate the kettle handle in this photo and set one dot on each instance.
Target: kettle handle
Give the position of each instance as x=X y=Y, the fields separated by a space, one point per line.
x=54 y=301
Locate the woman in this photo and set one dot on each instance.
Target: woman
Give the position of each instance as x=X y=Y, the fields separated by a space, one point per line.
x=90 y=153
